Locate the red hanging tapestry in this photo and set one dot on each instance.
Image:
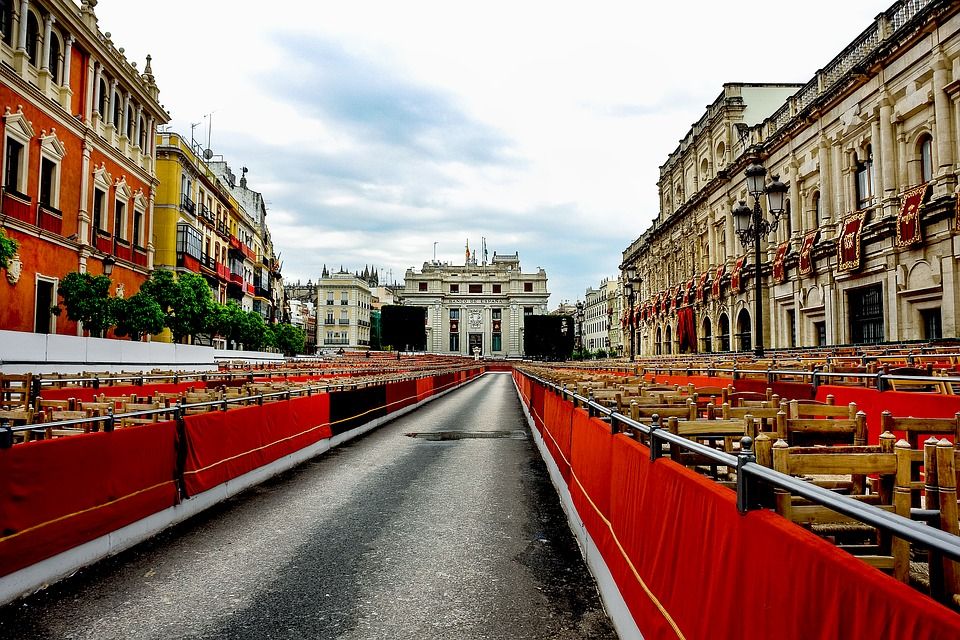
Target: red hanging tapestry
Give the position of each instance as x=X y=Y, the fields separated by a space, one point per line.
x=805 y=267
x=686 y=286
x=909 y=232
x=848 y=249
x=715 y=288
x=700 y=285
x=779 y=271
x=735 y=277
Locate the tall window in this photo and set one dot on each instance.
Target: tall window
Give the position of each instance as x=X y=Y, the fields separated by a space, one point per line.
x=817 y=215
x=131 y=121
x=48 y=183
x=454 y=288
x=102 y=101
x=13 y=175
x=926 y=159
x=33 y=38
x=120 y=220
x=99 y=199
x=820 y=329
x=864 y=177
x=866 y=315
x=117 y=110
x=496 y=288
x=138 y=228
x=143 y=134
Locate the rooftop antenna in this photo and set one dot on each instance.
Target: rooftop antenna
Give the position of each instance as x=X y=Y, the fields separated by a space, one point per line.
x=434 y=251
x=208 y=152
x=193 y=141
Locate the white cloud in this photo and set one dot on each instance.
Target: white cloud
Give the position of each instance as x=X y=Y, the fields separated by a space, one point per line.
x=376 y=128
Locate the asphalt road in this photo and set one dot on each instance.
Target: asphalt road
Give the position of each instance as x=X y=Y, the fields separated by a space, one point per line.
x=388 y=536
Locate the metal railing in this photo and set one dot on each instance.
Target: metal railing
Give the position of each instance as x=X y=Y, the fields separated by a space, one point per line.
x=748 y=469
x=178 y=411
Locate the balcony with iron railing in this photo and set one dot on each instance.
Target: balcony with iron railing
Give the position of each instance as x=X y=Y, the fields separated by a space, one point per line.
x=208 y=263
x=343 y=321
x=222 y=230
x=206 y=215
x=187 y=204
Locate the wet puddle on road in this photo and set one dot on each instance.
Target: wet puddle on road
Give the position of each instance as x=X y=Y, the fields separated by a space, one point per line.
x=466 y=435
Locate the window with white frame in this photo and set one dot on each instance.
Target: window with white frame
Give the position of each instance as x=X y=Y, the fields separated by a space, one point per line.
x=52 y=153
x=122 y=198
x=138 y=218
x=926 y=159
x=33 y=38
x=53 y=61
x=99 y=211
x=16 y=156
x=6 y=21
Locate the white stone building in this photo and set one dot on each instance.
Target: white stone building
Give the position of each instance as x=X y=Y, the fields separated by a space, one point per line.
x=343 y=312
x=476 y=305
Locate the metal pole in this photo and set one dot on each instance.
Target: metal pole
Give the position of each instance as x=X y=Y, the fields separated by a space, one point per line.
x=758 y=303
x=633 y=331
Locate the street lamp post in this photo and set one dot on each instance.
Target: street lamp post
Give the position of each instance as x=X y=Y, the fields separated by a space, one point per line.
x=752 y=226
x=630 y=287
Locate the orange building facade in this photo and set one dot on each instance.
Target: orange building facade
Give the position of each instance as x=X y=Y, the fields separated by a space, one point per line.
x=78 y=158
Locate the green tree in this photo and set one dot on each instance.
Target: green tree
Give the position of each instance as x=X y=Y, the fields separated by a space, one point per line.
x=253 y=331
x=137 y=316
x=227 y=320
x=185 y=301
x=290 y=340
x=8 y=248
x=87 y=300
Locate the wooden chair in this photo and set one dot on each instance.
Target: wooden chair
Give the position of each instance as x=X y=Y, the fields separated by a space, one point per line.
x=58 y=416
x=15 y=390
x=683 y=412
x=19 y=418
x=55 y=405
x=893 y=494
x=132 y=407
x=766 y=416
x=914 y=428
x=942 y=462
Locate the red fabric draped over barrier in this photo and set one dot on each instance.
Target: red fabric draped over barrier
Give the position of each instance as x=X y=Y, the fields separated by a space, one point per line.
x=900 y=403
x=224 y=445
x=424 y=388
x=57 y=494
x=687 y=563
x=86 y=394
x=401 y=394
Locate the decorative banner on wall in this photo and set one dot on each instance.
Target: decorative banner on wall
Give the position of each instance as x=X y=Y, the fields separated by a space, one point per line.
x=779 y=271
x=805 y=267
x=909 y=232
x=686 y=286
x=735 y=276
x=686 y=331
x=848 y=249
x=700 y=285
x=715 y=289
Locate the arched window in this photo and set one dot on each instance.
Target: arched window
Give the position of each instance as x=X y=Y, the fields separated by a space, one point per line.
x=817 y=216
x=658 y=346
x=53 y=62
x=723 y=324
x=6 y=20
x=143 y=134
x=926 y=158
x=720 y=160
x=102 y=102
x=706 y=333
x=667 y=341
x=33 y=38
x=131 y=121
x=744 y=331
x=704 y=169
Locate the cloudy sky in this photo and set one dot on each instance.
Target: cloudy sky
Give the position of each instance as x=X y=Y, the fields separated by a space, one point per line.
x=378 y=128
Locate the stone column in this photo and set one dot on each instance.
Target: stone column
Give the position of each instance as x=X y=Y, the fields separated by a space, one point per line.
x=878 y=159
x=946 y=179
x=150 y=248
x=888 y=152
x=796 y=203
x=83 y=226
x=22 y=35
x=903 y=176
x=112 y=104
x=67 y=60
x=95 y=107
x=45 y=55
x=826 y=179
x=139 y=128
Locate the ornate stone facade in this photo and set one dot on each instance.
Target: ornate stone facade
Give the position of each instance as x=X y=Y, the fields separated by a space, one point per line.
x=851 y=144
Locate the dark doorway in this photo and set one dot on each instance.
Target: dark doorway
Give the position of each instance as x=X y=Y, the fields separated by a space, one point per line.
x=41 y=323
x=475 y=340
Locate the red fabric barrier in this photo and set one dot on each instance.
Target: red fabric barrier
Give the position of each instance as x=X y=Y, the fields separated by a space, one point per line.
x=687 y=563
x=401 y=394
x=87 y=394
x=786 y=390
x=224 y=445
x=899 y=403
x=57 y=494
x=536 y=404
x=424 y=388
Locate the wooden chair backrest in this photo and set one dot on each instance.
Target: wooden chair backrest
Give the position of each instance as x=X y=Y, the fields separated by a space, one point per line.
x=56 y=405
x=823 y=431
x=916 y=427
x=684 y=412
x=803 y=409
x=15 y=390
